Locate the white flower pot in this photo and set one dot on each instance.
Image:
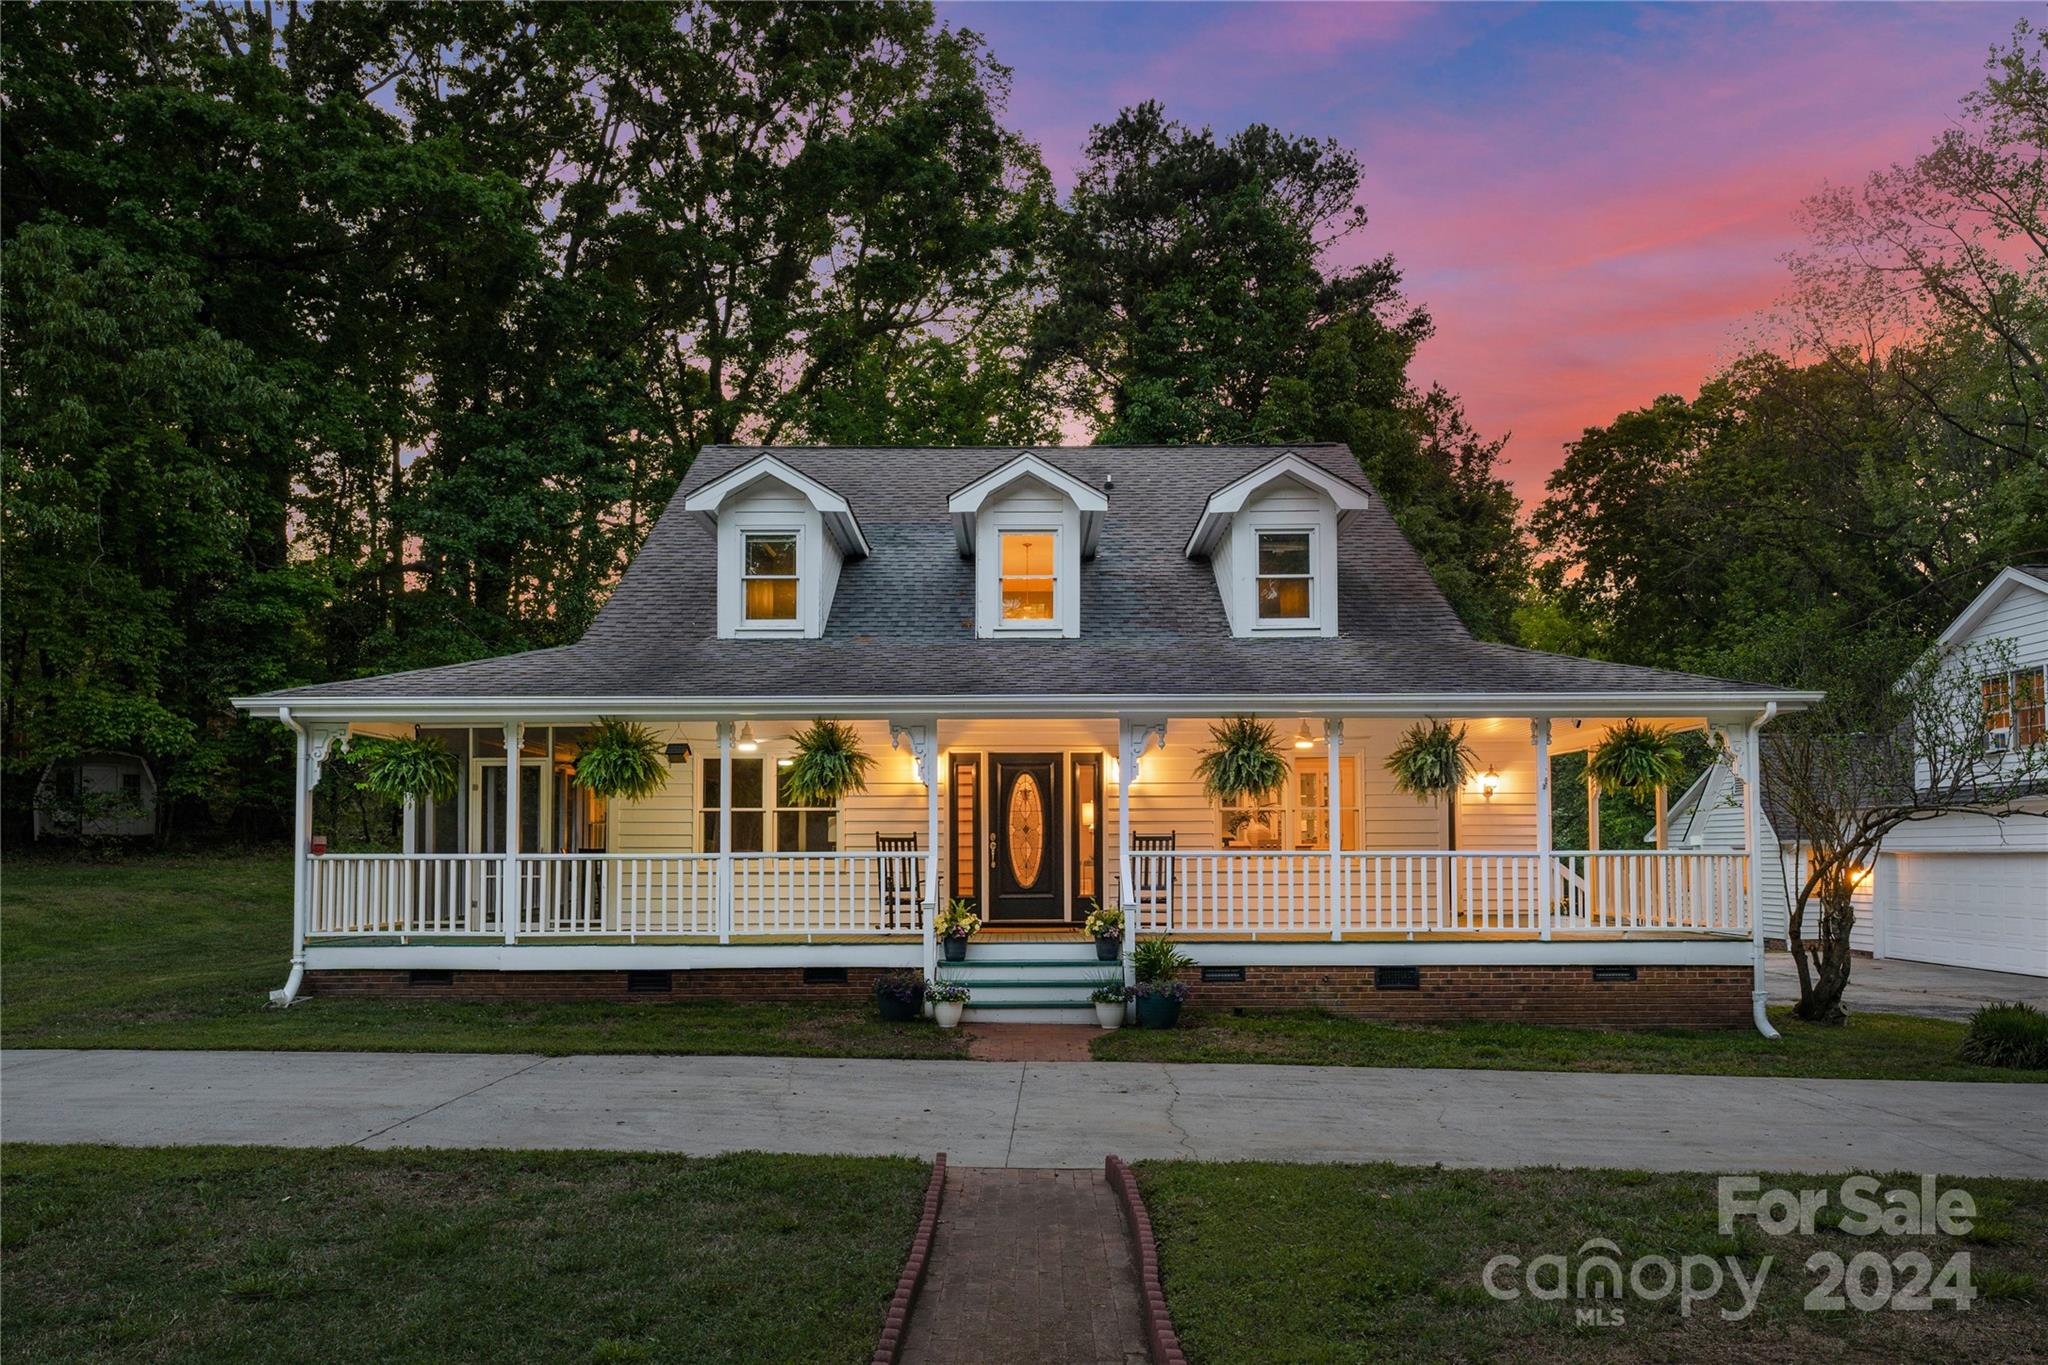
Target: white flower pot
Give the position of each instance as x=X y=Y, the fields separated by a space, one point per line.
x=947 y=1012
x=1109 y=1016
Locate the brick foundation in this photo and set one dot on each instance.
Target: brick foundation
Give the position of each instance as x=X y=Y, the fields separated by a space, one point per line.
x=710 y=983
x=1659 y=997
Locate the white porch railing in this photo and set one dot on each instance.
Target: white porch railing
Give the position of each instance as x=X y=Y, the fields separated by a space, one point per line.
x=827 y=893
x=403 y=893
x=1431 y=891
x=618 y=893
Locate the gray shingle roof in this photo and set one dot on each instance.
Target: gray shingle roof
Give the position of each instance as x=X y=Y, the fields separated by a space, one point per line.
x=902 y=621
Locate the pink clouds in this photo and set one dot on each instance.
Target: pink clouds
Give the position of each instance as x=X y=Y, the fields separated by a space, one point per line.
x=1593 y=201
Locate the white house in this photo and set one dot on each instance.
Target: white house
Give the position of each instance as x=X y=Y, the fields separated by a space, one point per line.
x=1962 y=890
x=103 y=794
x=1035 y=644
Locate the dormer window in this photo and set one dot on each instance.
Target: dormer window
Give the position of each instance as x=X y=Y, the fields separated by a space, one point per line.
x=771 y=577
x=1287 y=575
x=1030 y=576
x=1027 y=525
x=1271 y=539
x=782 y=539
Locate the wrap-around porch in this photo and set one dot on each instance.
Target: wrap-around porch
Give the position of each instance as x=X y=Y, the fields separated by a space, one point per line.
x=1034 y=820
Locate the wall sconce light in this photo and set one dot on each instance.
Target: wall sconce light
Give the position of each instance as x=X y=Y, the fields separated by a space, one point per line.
x=1489 y=783
x=678 y=753
x=1302 y=738
x=1114 y=772
x=747 y=743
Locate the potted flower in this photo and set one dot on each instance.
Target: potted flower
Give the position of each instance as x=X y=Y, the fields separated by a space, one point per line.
x=1160 y=992
x=1107 y=929
x=956 y=924
x=1109 y=1003
x=899 y=995
x=948 y=998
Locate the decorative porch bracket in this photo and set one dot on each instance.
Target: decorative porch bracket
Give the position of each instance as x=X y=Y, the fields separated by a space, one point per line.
x=322 y=738
x=922 y=737
x=1135 y=734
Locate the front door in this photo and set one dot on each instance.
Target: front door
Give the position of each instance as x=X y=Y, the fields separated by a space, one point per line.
x=1027 y=848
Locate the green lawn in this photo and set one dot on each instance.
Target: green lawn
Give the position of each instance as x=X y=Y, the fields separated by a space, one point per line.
x=1880 y=1046
x=1272 y=1263
x=181 y=952
x=258 y=1254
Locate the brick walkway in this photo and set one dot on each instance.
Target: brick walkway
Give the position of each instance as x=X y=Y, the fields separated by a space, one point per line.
x=1028 y=1267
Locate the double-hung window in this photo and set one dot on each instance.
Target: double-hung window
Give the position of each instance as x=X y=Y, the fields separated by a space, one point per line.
x=2015 y=709
x=768 y=576
x=1286 y=576
x=757 y=825
x=1030 y=576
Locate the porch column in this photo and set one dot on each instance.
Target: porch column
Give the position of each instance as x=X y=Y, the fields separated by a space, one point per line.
x=1592 y=813
x=508 y=879
x=1752 y=779
x=922 y=736
x=724 y=910
x=1134 y=736
x=1546 y=864
x=1333 y=740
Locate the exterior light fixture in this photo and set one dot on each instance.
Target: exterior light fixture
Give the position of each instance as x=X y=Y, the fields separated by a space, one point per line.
x=1114 y=772
x=785 y=762
x=1489 y=783
x=678 y=753
x=1302 y=738
x=747 y=743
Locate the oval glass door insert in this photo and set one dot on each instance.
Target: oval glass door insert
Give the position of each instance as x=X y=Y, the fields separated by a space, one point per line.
x=1026 y=823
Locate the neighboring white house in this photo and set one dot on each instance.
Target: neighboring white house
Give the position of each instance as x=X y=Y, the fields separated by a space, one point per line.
x=101 y=795
x=1034 y=645
x=1961 y=890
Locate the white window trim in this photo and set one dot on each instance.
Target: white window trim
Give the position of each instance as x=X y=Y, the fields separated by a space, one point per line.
x=732 y=554
x=1051 y=625
x=988 y=576
x=1289 y=624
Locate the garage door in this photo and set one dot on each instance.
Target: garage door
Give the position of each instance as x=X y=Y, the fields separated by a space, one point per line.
x=1986 y=910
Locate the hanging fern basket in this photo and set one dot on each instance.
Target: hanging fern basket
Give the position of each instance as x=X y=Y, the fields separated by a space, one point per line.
x=1430 y=763
x=828 y=763
x=1636 y=759
x=1243 y=761
x=621 y=760
x=407 y=769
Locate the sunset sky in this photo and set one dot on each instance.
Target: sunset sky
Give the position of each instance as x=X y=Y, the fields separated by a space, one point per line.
x=1593 y=200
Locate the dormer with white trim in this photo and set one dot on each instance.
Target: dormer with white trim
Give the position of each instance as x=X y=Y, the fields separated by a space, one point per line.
x=782 y=537
x=1271 y=539
x=1027 y=526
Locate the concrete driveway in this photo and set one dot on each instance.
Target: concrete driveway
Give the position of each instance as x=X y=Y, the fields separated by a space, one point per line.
x=1035 y=1114
x=1890 y=986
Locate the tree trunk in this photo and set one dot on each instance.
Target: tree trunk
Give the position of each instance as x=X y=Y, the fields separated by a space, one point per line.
x=1820 y=998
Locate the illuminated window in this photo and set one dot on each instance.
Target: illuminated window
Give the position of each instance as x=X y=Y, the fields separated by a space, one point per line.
x=1028 y=575
x=1998 y=713
x=2030 y=706
x=1286 y=576
x=770 y=577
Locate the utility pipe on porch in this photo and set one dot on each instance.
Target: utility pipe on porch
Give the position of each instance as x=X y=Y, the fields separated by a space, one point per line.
x=302 y=839
x=1752 y=777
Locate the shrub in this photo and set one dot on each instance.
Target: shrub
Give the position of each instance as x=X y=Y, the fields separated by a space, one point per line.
x=905 y=986
x=1158 y=959
x=2007 y=1035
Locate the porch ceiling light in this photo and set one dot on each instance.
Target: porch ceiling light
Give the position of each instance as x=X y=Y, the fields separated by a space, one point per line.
x=1302 y=738
x=747 y=743
x=1489 y=783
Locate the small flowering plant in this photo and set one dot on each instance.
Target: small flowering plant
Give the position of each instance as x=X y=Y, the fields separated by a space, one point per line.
x=946 y=993
x=958 y=919
x=1105 y=923
x=1156 y=990
x=906 y=987
x=1110 y=993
